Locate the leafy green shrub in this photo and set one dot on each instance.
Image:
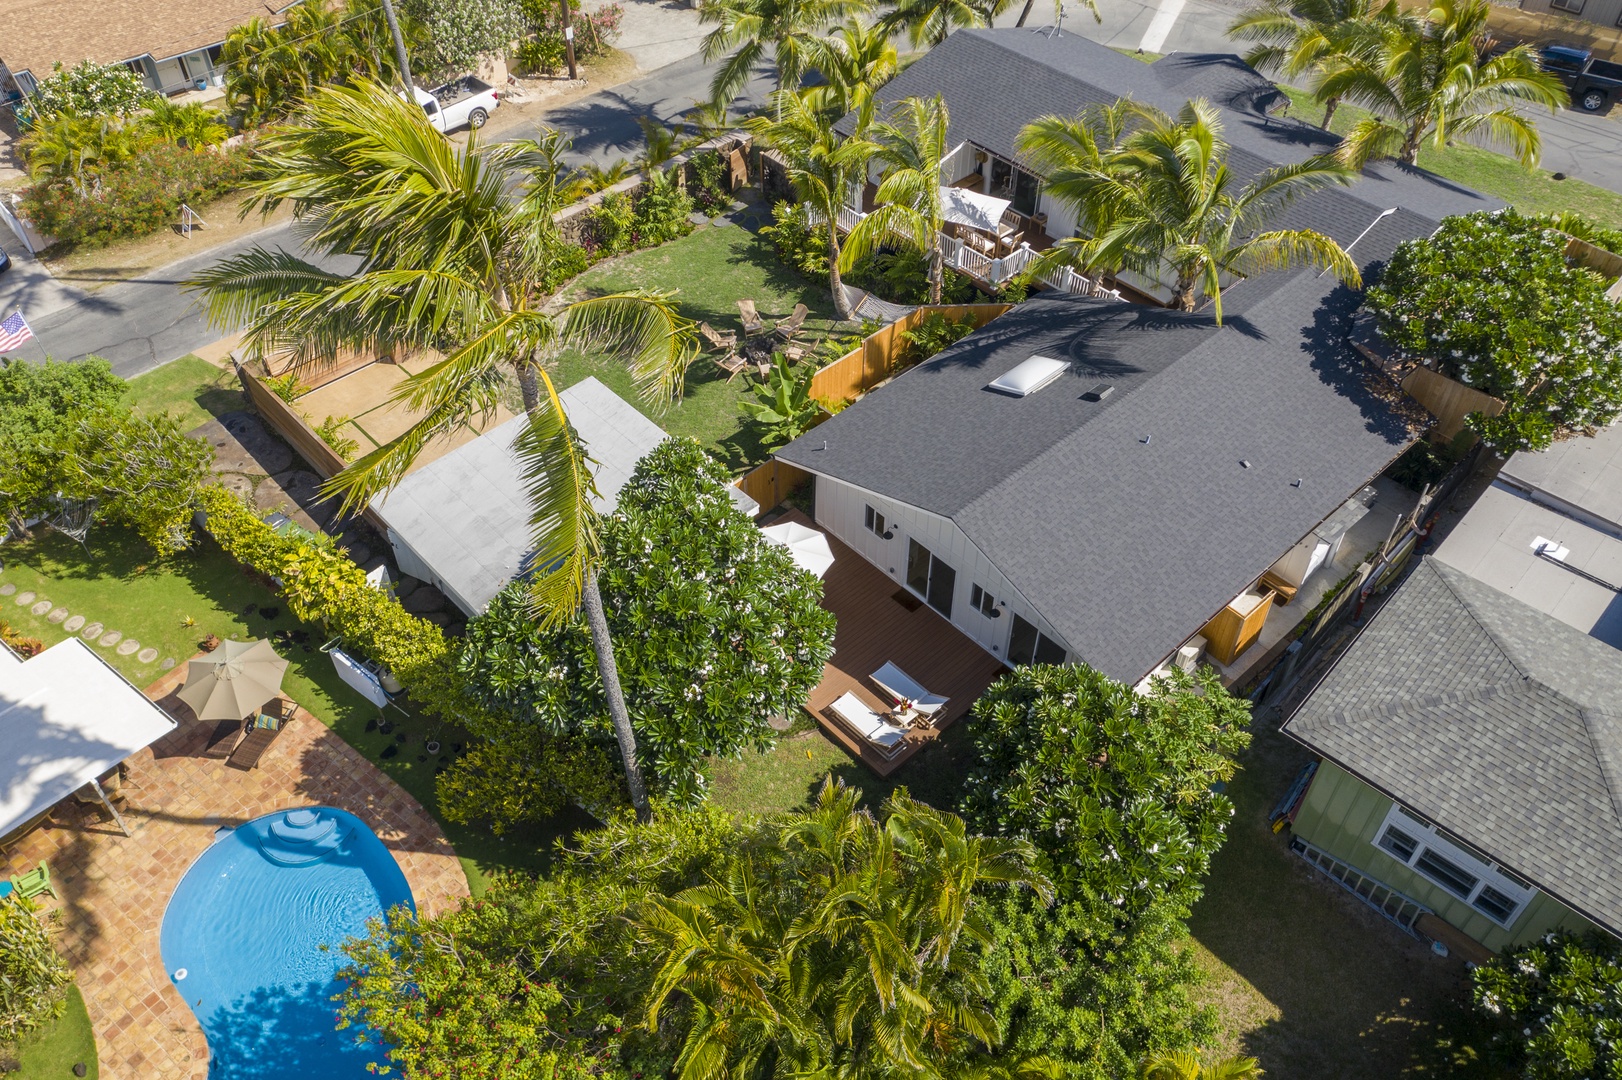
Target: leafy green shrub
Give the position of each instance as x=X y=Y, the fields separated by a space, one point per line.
x=90 y=89
x=800 y=244
x=143 y=472
x=1121 y=793
x=709 y=185
x=135 y=197
x=331 y=434
x=934 y=333
x=19 y=643
x=612 y=225
x=33 y=977
x=1559 y=1001
x=902 y=277
x=462 y=31
x=662 y=211
x=594 y=32
x=715 y=632
x=785 y=409
x=568 y=262
x=1574 y=224
x=543 y=54
x=287 y=387
x=1493 y=300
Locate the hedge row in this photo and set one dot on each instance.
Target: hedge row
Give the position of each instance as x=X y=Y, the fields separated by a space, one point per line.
x=134 y=198
x=321 y=585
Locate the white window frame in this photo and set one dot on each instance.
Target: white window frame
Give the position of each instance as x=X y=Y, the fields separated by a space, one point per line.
x=1487 y=874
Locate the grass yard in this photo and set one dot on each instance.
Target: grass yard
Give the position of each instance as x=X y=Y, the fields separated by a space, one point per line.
x=119 y=583
x=51 y=1053
x=1532 y=191
x=191 y=389
x=710 y=270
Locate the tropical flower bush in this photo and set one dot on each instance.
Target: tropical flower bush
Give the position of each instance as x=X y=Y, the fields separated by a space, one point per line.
x=91 y=89
x=1559 y=1003
x=33 y=976
x=1492 y=298
x=715 y=629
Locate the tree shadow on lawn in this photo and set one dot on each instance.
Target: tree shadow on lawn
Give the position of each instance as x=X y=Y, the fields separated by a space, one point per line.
x=934 y=776
x=1354 y=996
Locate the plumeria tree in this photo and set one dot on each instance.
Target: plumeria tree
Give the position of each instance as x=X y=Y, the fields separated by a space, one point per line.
x=716 y=631
x=1558 y=1001
x=91 y=89
x=1492 y=298
x=1118 y=790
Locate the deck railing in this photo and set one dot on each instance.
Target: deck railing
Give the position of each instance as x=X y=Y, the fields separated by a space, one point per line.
x=995 y=271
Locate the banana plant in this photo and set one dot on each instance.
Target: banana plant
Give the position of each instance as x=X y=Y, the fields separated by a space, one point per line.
x=786 y=410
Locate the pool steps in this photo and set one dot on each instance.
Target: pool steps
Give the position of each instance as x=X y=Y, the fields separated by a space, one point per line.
x=301 y=837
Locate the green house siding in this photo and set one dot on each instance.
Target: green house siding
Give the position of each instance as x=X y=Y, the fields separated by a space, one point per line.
x=1340 y=815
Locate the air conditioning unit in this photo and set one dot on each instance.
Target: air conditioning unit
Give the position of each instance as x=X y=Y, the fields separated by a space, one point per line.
x=1188 y=657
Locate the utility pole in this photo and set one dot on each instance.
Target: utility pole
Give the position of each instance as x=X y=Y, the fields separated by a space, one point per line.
x=568 y=37
x=400 y=56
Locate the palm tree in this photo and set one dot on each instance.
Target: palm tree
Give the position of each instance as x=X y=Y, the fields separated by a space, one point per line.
x=910 y=147
x=822 y=166
x=1430 y=76
x=927 y=22
x=453 y=245
x=194 y=124
x=854 y=971
x=323 y=40
x=854 y=62
x=1153 y=192
x=787 y=27
x=1184 y=1065
x=1300 y=37
x=264 y=75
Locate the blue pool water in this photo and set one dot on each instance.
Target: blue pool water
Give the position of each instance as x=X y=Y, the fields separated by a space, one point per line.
x=247 y=924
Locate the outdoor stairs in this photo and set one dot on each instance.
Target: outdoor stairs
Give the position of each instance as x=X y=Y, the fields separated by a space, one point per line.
x=1402 y=910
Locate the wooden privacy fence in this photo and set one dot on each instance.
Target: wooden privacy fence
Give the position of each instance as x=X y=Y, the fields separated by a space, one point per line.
x=290 y=425
x=878 y=357
x=770 y=484
x=1449 y=400
x=1602 y=262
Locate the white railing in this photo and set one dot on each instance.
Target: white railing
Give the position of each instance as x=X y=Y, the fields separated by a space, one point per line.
x=994 y=271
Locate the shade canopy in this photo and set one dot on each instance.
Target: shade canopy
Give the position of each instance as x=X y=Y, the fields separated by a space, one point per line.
x=65 y=719
x=808 y=547
x=973 y=209
x=234 y=680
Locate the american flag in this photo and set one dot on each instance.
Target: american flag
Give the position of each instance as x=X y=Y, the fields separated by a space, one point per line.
x=13 y=332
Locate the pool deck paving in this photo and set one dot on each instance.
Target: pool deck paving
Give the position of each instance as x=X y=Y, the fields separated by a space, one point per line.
x=114 y=889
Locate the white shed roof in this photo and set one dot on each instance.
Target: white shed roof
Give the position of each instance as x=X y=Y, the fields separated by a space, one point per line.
x=65 y=718
x=464 y=515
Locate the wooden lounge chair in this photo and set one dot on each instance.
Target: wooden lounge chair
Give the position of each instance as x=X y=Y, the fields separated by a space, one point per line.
x=887 y=737
x=718 y=340
x=732 y=364
x=34 y=882
x=225 y=738
x=260 y=735
x=791 y=325
x=752 y=322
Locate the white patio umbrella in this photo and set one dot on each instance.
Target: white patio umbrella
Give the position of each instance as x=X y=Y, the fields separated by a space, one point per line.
x=973 y=209
x=808 y=547
x=233 y=680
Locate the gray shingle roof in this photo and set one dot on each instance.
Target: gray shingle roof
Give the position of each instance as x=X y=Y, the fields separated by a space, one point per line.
x=1059 y=493
x=1496 y=721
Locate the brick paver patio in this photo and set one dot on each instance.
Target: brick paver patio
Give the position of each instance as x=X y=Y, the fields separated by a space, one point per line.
x=115 y=888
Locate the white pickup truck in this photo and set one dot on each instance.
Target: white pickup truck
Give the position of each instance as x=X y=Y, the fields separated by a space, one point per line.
x=463 y=101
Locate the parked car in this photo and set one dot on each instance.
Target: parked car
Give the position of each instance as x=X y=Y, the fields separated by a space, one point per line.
x=1592 y=82
x=5 y=261
x=466 y=100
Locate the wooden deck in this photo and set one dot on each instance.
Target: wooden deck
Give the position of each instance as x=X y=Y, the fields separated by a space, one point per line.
x=875 y=626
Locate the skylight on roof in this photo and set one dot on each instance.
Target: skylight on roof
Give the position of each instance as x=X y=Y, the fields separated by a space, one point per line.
x=1029 y=376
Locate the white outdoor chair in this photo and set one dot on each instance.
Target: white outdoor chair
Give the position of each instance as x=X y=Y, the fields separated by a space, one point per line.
x=867 y=723
x=898 y=684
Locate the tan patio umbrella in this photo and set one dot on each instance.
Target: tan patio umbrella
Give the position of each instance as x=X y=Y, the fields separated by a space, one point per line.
x=234 y=680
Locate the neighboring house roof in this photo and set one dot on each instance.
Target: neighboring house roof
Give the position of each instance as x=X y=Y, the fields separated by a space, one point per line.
x=38 y=33
x=1581 y=474
x=465 y=514
x=1497 y=721
x=1061 y=494
x=66 y=717
x=996 y=81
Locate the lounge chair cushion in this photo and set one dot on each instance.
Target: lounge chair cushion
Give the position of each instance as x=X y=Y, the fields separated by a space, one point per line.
x=898 y=684
x=869 y=724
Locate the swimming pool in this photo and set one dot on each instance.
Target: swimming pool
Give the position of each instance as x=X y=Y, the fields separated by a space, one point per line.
x=243 y=935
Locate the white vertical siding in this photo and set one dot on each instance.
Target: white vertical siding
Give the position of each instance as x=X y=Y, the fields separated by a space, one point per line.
x=1061 y=219
x=955 y=166
x=841 y=509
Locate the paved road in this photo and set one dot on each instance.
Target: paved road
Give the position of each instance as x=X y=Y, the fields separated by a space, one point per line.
x=143 y=323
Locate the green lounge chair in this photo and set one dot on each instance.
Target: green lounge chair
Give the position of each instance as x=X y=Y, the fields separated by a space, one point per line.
x=34 y=882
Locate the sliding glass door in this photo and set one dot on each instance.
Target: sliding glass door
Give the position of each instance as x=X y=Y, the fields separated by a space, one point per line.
x=930 y=578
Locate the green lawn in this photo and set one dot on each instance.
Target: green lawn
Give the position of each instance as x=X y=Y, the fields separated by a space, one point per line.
x=1533 y=191
x=51 y=1053
x=191 y=389
x=710 y=271
x=119 y=583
